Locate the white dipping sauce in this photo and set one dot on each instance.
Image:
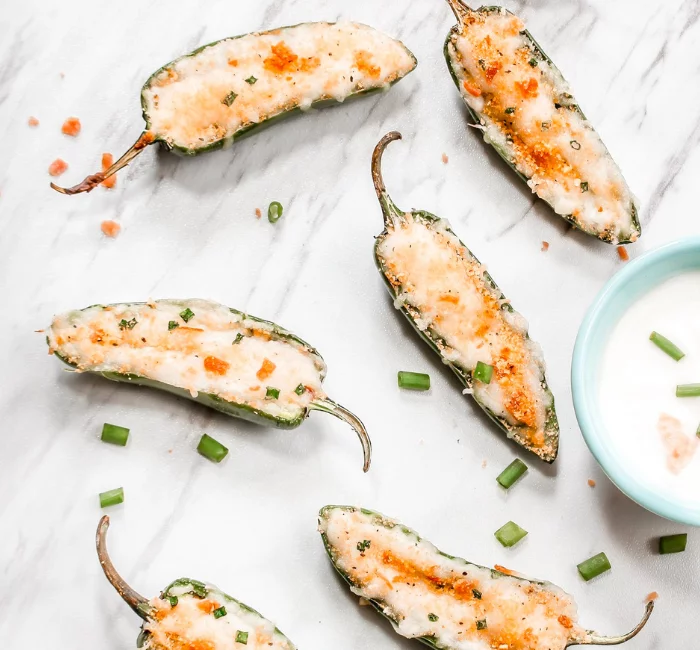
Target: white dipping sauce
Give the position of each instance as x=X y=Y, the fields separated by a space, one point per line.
x=637 y=388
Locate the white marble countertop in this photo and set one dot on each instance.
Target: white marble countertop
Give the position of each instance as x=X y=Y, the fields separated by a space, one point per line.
x=189 y=230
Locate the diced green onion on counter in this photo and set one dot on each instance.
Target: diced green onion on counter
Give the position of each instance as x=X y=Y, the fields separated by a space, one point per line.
x=688 y=390
x=664 y=344
x=111 y=497
x=511 y=473
x=274 y=212
x=483 y=372
x=673 y=543
x=414 y=380
x=211 y=449
x=510 y=534
x=594 y=566
x=114 y=434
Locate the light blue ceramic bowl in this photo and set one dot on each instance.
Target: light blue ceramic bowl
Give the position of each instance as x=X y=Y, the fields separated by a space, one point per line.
x=623 y=289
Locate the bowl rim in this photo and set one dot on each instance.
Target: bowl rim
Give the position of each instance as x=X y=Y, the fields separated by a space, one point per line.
x=582 y=398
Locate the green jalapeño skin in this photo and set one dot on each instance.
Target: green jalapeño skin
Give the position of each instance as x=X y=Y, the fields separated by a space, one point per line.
x=192 y=615
x=223 y=91
x=220 y=357
x=457 y=308
x=526 y=111
x=444 y=601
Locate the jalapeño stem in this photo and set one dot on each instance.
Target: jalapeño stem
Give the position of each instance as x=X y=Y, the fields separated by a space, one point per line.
x=460 y=11
x=92 y=181
x=592 y=638
x=329 y=406
x=132 y=598
x=388 y=208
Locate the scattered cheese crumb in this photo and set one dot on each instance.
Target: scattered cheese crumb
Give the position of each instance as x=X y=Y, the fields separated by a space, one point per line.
x=107 y=161
x=545 y=246
x=258 y=213
x=57 y=167
x=445 y=159
x=110 y=228
x=32 y=121
x=591 y=482
x=652 y=596
x=483 y=463
x=622 y=252
x=71 y=126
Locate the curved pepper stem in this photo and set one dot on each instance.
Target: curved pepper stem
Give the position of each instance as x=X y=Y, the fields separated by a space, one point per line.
x=92 y=181
x=132 y=598
x=593 y=638
x=389 y=209
x=460 y=10
x=329 y=406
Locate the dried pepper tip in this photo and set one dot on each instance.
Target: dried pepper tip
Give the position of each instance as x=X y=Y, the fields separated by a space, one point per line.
x=92 y=181
x=132 y=598
x=329 y=406
x=595 y=639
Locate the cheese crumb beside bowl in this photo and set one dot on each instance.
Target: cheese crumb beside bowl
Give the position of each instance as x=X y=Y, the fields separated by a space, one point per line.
x=641 y=429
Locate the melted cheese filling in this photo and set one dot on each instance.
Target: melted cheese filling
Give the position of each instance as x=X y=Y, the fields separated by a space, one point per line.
x=516 y=93
x=239 y=82
x=191 y=625
x=200 y=356
x=444 y=289
x=461 y=605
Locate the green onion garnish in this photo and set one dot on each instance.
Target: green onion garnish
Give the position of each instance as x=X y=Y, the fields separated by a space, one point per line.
x=483 y=372
x=274 y=212
x=481 y=625
x=511 y=473
x=238 y=339
x=433 y=617
x=218 y=613
x=545 y=125
x=363 y=545
x=584 y=186
x=414 y=380
x=300 y=389
x=688 y=390
x=664 y=344
x=229 y=99
x=476 y=593
x=172 y=324
x=241 y=637
x=594 y=566
x=187 y=314
x=510 y=110
x=533 y=62
x=272 y=393
x=211 y=449
x=127 y=324
x=111 y=497
x=172 y=600
x=510 y=534
x=251 y=80
x=673 y=543
x=575 y=144
x=199 y=591
x=115 y=435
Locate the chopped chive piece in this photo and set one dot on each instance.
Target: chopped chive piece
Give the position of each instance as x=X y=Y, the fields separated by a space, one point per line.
x=241 y=637
x=483 y=372
x=172 y=600
x=476 y=593
x=481 y=625
x=218 y=613
x=575 y=144
x=433 y=617
x=274 y=212
x=251 y=80
x=511 y=473
x=127 y=324
x=594 y=566
x=300 y=389
x=510 y=110
x=172 y=324
x=533 y=62
x=510 y=534
x=238 y=339
x=688 y=390
x=199 y=590
x=272 y=393
x=187 y=314
x=229 y=99
x=673 y=543
x=111 y=497
x=584 y=186
x=414 y=380
x=363 y=545
x=664 y=344
x=211 y=449
x=545 y=125
x=114 y=434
